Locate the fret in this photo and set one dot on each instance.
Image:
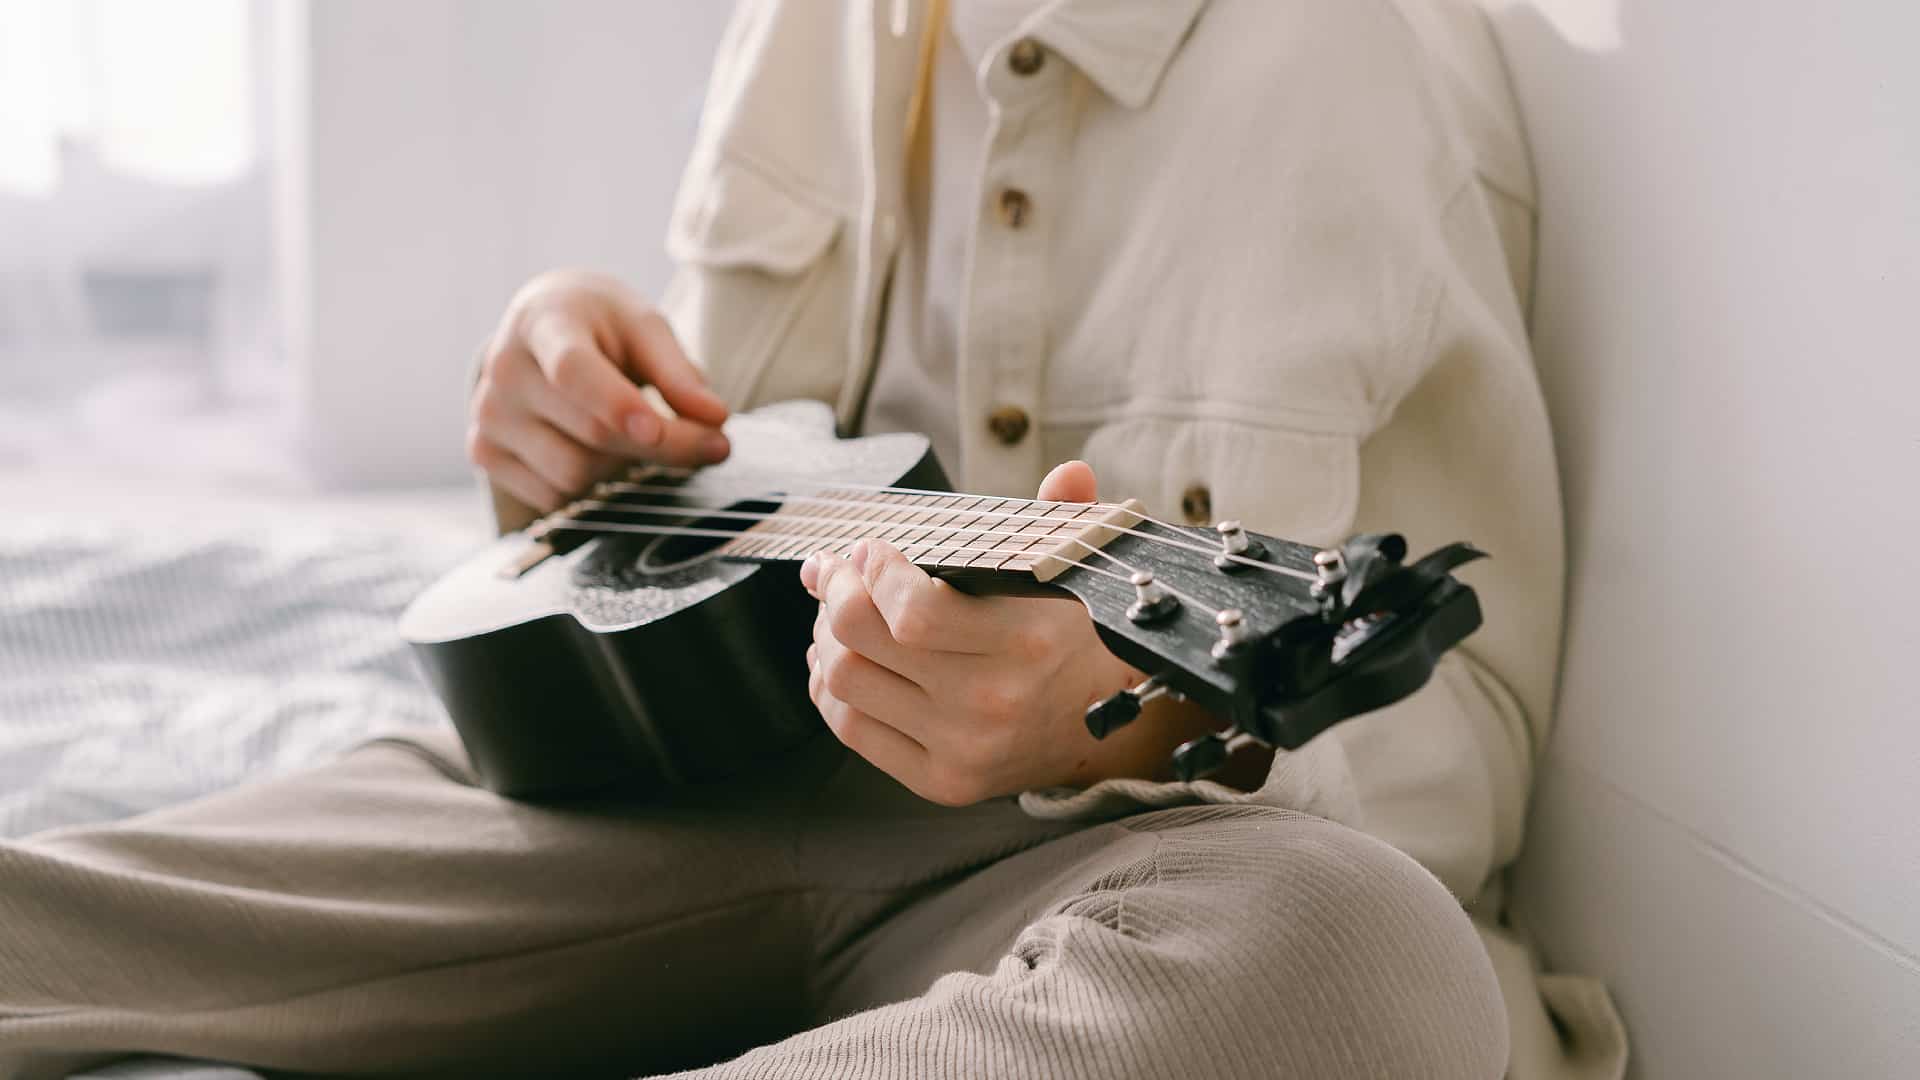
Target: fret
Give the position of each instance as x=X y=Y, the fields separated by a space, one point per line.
x=926 y=512
x=864 y=520
x=833 y=547
x=839 y=533
x=939 y=535
x=969 y=515
x=792 y=534
x=1034 y=535
x=1073 y=519
x=1058 y=518
x=898 y=522
x=894 y=517
x=916 y=536
x=1094 y=527
x=940 y=532
x=747 y=545
x=993 y=556
x=937 y=530
x=934 y=544
x=1064 y=522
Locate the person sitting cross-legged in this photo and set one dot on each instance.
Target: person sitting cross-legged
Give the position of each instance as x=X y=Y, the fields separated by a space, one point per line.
x=1238 y=259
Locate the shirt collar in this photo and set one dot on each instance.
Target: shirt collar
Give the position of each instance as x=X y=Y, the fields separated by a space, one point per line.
x=1123 y=47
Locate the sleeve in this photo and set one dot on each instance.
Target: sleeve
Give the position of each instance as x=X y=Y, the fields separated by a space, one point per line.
x=1457 y=448
x=1463 y=452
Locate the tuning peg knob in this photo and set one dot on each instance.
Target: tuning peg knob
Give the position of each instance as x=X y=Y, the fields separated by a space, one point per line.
x=1151 y=602
x=1235 y=545
x=1112 y=714
x=1234 y=633
x=1331 y=569
x=1200 y=757
x=1122 y=708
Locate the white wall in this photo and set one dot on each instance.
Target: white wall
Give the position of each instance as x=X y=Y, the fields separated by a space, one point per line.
x=439 y=153
x=1728 y=828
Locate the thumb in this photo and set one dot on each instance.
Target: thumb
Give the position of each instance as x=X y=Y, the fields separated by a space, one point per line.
x=1070 y=481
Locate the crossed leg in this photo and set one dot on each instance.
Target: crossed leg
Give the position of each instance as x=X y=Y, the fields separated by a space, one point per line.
x=383 y=915
x=1194 y=942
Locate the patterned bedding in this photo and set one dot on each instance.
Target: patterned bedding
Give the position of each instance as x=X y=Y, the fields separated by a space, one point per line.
x=145 y=666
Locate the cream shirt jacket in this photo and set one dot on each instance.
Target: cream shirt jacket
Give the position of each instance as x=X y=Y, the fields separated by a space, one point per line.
x=1255 y=259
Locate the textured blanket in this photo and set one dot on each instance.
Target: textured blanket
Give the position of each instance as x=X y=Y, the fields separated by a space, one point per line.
x=142 y=668
x=138 y=670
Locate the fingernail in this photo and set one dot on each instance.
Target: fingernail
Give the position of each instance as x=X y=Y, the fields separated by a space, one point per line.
x=644 y=428
x=810 y=571
x=858 y=556
x=714 y=446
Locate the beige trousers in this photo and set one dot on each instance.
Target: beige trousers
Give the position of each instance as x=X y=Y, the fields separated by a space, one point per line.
x=382 y=914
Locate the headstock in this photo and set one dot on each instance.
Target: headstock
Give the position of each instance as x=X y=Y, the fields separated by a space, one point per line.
x=1281 y=639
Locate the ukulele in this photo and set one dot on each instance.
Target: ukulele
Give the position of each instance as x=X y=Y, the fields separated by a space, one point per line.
x=654 y=631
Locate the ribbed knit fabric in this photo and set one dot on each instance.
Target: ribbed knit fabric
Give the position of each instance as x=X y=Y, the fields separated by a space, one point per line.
x=382 y=915
x=1244 y=942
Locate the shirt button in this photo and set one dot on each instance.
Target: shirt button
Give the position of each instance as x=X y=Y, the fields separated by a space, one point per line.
x=1014 y=207
x=1009 y=424
x=1197 y=503
x=1026 y=57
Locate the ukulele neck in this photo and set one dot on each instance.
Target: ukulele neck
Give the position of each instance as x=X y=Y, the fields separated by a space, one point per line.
x=938 y=531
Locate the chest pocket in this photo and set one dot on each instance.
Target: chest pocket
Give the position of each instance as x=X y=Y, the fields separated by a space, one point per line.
x=762 y=297
x=1298 y=485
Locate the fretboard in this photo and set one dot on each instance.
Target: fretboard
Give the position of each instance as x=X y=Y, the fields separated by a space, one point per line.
x=936 y=531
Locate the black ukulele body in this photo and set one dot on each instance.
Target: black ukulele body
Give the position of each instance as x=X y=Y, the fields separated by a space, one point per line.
x=585 y=672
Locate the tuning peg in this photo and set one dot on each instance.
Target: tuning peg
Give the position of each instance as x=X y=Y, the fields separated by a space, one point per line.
x=1331 y=569
x=1233 y=633
x=1235 y=545
x=1151 y=602
x=1199 y=757
x=1122 y=708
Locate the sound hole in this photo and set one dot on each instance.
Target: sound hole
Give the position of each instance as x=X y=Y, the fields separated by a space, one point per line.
x=671 y=553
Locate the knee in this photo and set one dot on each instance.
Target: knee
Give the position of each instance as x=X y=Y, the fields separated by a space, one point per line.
x=1337 y=954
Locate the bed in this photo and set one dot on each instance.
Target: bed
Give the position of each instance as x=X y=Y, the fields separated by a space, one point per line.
x=156 y=648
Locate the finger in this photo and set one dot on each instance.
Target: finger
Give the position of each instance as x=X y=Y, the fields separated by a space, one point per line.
x=810 y=570
x=890 y=751
x=659 y=359
x=573 y=364
x=679 y=441
x=872 y=689
x=559 y=461
x=691 y=437
x=847 y=615
x=919 y=612
x=520 y=375
x=513 y=476
x=1070 y=481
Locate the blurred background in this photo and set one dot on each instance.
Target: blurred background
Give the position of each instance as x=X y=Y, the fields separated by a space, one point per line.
x=254 y=244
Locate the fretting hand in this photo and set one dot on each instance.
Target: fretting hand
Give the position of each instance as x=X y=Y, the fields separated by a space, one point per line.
x=963 y=698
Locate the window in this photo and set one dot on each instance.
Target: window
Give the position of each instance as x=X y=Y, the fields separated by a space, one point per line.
x=136 y=297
